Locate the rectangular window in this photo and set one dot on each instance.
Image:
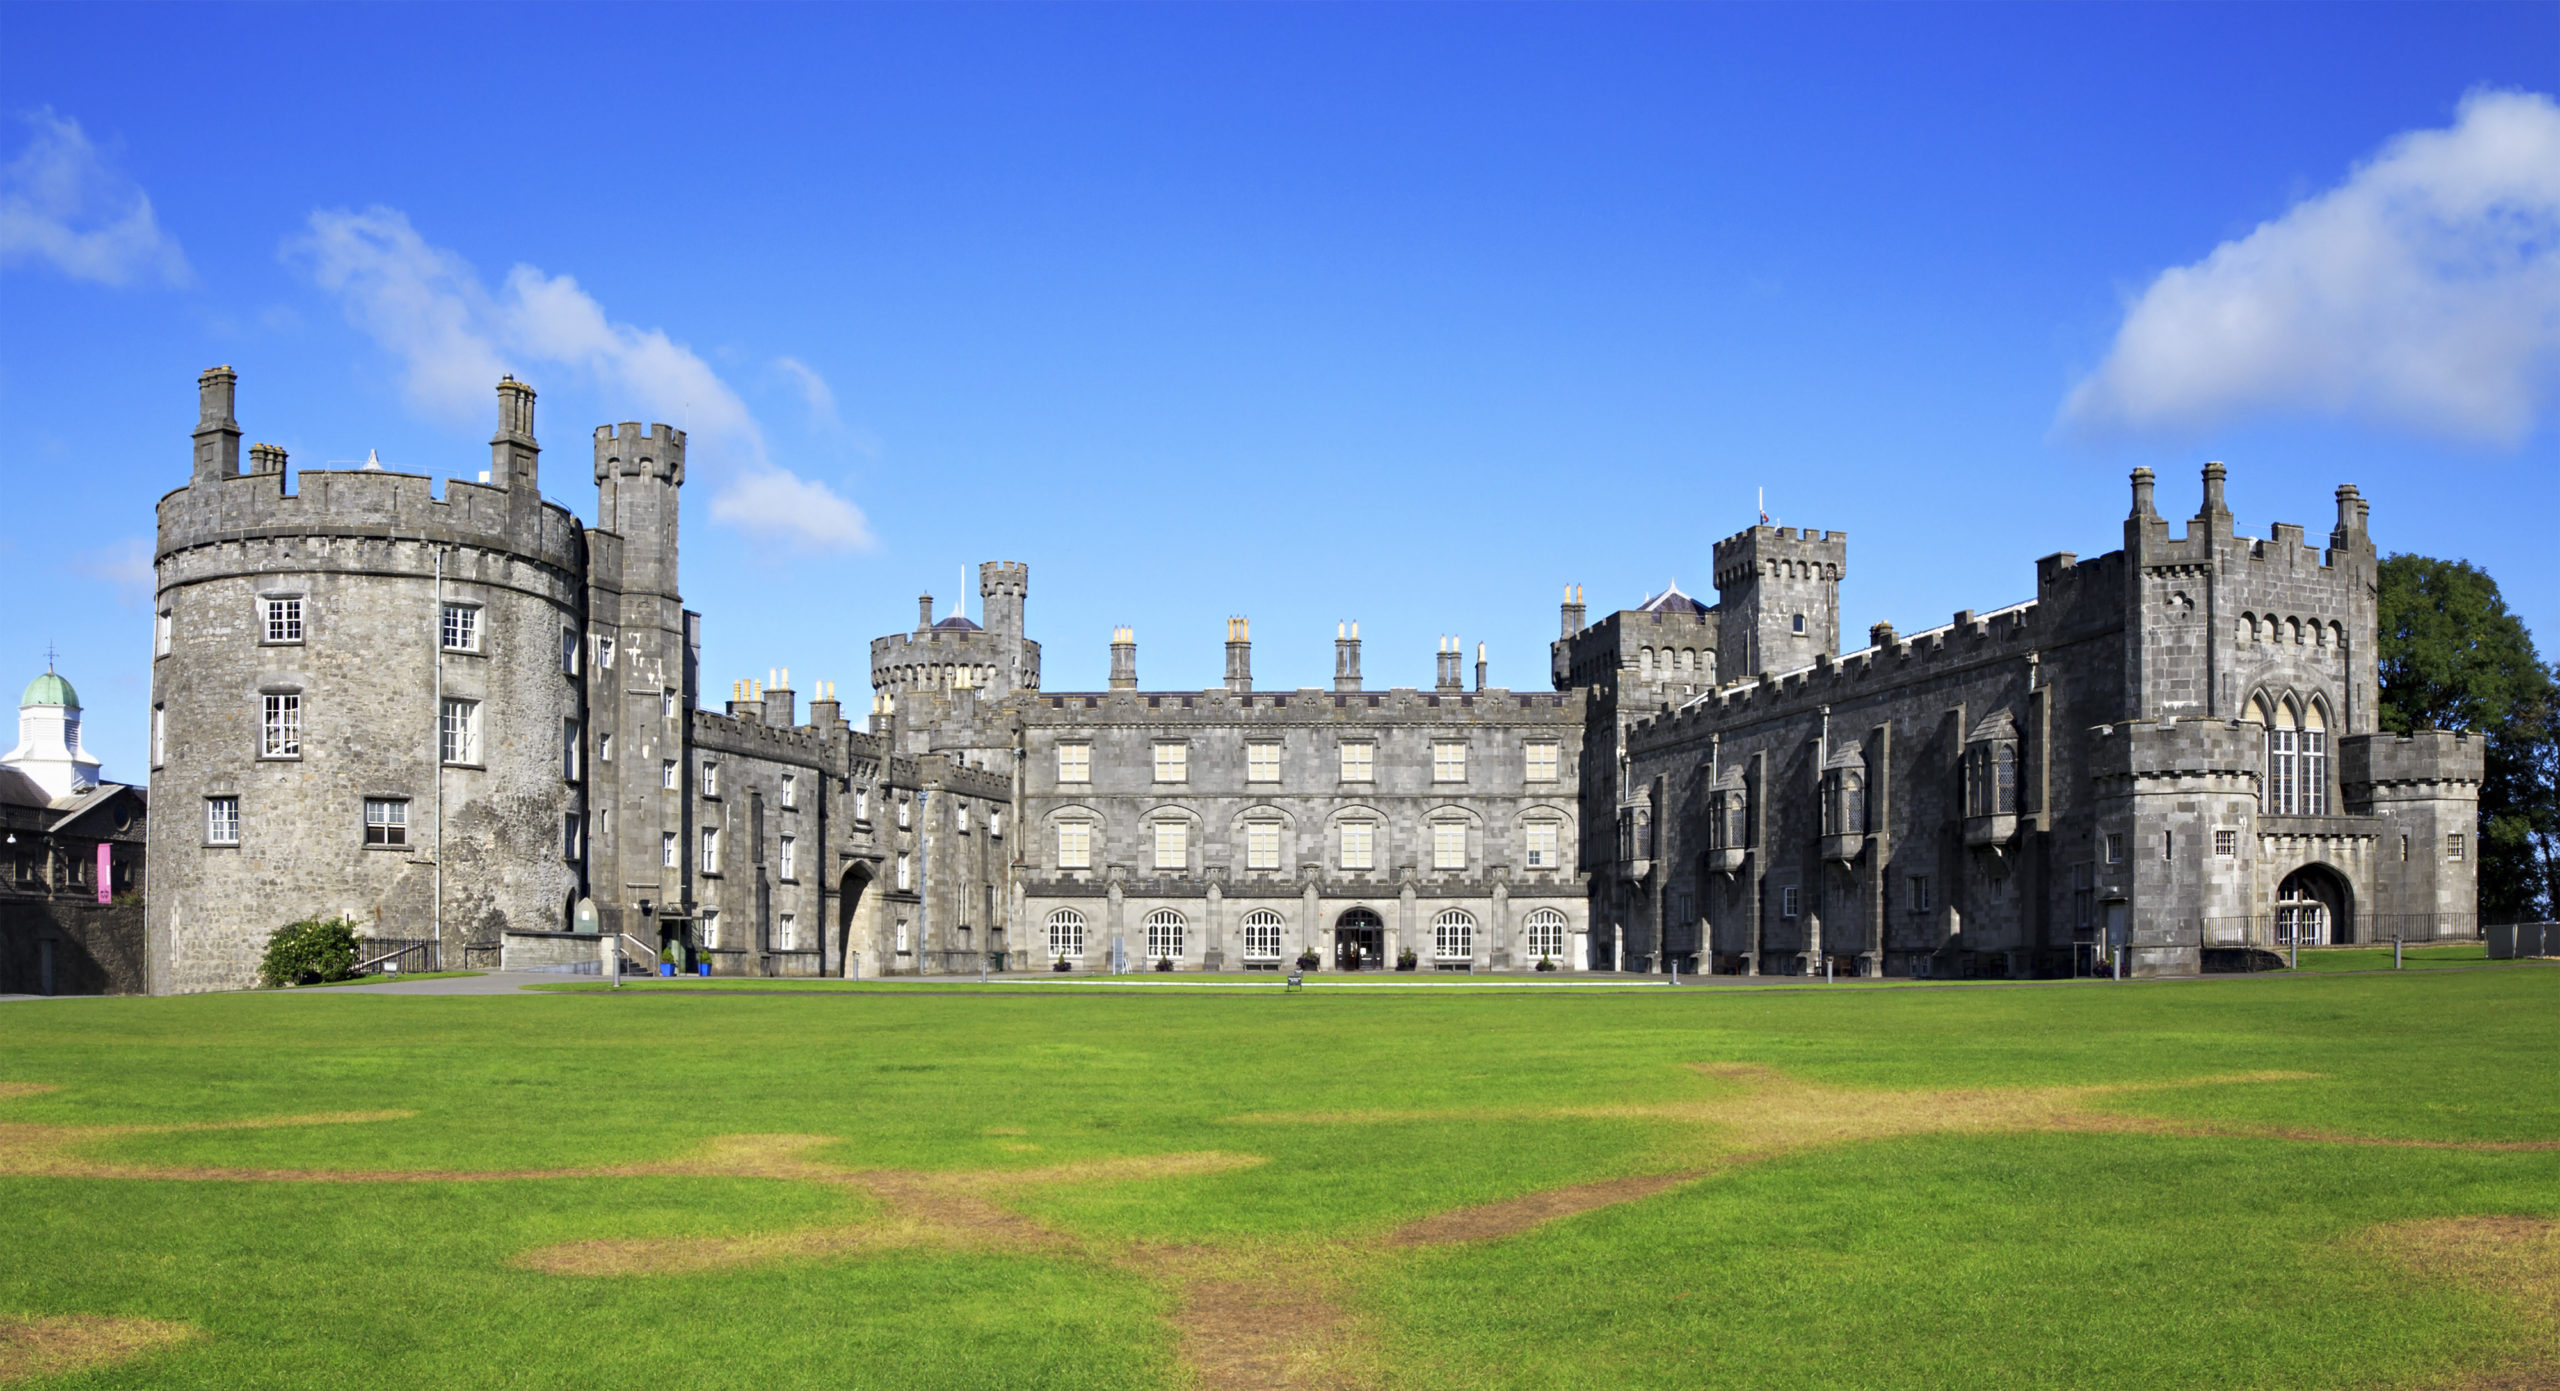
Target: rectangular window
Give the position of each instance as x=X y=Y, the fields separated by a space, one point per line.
x=1542 y=761
x=284 y=620
x=161 y=633
x=786 y=932
x=710 y=778
x=570 y=826
x=569 y=650
x=710 y=929
x=2226 y=843
x=1449 y=762
x=1173 y=845
x=1075 y=845
x=604 y=651
x=1543 y=853
x=1448 y=845
x=2404 y=847
x=2168 y=844
x=1262 y=762
x=667 y=849
x=711 y=850
x=1788 y=901
x=159 y=735
x=667 y=774
x=2315 y=772
x=386 y=821
x=906 y=872
x=569 y=750
x=862 y=804
x=1075 y=763
x=667 y=704
x=2453 y=846
x=1919 y=893
x=1262 y=845
x=790 y=857
x=1359 y=843
x=604 y=824
x=1173 y=762
x=280 y=729
x=2115 y=849
x=960 y=817
x=902 y=937
x=995 y=823
x=460 y=731
x=604 y=748
x=1358 y=760
x=461 y=628
x=222 y=821
x=902 y=813
x=790 y=791
x=2084 y=897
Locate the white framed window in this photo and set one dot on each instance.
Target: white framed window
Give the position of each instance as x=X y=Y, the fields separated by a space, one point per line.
x=710 y=929
x=1359 y=761
x=459 y=731
x=666 y=704
x=1164 y=935
x=2226 y=843
x=604 y=748
x=284 y=620
x=604 y=651
x=902 y=937
x=569 y=651
x=1789 y=900
x=2454 y=849
x=995 y=823
x=604 y=824
x=1262 y=845
x=1919 y=893
x=571 y=824
x=667 y=774
x=1359 y=844
x=862 y=804
x=1546 y=935
x=711 y=850
x=1448 y=845
x=2115 y=848
x=280 y=727
x=1172 y=844
x=1075 y=763
x=667 y=850
x=1262 y=935
x=159 y=735
x=1066 y=934
x=1262 y=761
x=1448 y=761
x=906 y=871
x=786 y=932
x=902 y=813
x=1075 y=845
x=161 y=632
x=1542 y=759
x=2314 y=791
x=790 y=857
x=1542 y=848
x=1799 y=625
x=710 y=778
x=960 y=817
x=386 y=821
x=790 y=791
x=461 y=627
x=569 y=750
x=1453 y=935
x=1173 y=761
x=222 y=821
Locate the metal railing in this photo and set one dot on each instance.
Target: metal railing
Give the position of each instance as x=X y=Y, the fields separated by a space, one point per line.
x=398 y=955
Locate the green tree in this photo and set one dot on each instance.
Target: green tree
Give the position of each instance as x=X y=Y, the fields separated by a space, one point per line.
x=2453 y=657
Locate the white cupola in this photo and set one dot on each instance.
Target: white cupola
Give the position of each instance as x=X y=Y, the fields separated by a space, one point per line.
x=48 y=750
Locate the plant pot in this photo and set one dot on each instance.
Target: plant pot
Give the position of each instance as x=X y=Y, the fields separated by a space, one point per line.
x=1165 y=965
x=1061 y=967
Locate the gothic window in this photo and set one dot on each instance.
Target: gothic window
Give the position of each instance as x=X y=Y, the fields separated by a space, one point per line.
x=1844 y=802
x=2314 y=763
x=1543 y=852
x=2282 y=794
x=1359 y=844
x=1262 y=935
x=1448 y=845
x=1066 y=934
x=1164 y=935
x=1546 y=935
x=1453 y=936
x=1991 y=777
x=1172 y=845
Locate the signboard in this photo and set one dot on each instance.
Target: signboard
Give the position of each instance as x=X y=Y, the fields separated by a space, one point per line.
x=106 y=872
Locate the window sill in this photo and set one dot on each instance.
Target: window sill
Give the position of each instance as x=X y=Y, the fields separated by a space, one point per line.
x=470 y=767
x=222 y=845
x=462 y=652
x=403 y=848
x=279 y=758
x=294 y=642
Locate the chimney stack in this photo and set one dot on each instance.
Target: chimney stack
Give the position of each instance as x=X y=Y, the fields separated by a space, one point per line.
x=2142 y=508
x=781 y=703
x=1572 y=609
x=1124 y=658
x=1239 y=655
x=823 y=709
x=924 y=613
x=1346 y=656
x=2213 y=505
x=514 y=457
x=1479 y=666
x=217 y=434
x=1449 y=658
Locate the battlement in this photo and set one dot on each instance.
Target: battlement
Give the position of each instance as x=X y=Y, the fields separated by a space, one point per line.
x=1004 y=576
x=2193 y=747
x=629 y=450
x=367 y=504
x=2424 y=756
x=1783 y=551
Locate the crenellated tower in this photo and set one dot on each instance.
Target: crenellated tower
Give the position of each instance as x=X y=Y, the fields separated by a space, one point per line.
x=1778 y=598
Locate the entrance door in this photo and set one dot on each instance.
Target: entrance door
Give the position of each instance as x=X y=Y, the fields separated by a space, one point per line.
x=1359 y=941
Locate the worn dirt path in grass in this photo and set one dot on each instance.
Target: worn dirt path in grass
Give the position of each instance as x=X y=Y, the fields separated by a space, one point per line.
x=57 y=1345
x=2512 y=1260
x=1266 y=1315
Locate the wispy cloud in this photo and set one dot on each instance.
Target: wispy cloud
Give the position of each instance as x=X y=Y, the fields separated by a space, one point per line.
x=813 y=389
x=453 y=337
x=2421 y=293
x=124 y=565
x=63 y=205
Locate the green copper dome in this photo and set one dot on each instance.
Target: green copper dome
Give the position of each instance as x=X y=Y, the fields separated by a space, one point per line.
x=49 y=689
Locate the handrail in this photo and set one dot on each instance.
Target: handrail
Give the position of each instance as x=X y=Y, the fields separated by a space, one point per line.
x=651 y=951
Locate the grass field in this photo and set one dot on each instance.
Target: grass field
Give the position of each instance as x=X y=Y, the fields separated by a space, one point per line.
x=2306 y=1180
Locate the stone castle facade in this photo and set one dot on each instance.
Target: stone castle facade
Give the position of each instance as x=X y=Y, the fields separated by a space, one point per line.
x=475 y=722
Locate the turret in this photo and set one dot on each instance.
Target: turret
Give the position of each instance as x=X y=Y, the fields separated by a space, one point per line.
x=217 y=434
x=1346 y=656
x=638 y=474
x=1778 y=597
x=1004 y=586
x=1124 y=658
x=1239 y=655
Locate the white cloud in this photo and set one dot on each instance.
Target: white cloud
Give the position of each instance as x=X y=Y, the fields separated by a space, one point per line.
x=812 y=388
x=61 y=203
x=125 y=565
x=2422 y=293
x=453 y=337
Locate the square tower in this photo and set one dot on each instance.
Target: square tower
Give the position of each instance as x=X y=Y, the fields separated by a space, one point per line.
x=1778 y=598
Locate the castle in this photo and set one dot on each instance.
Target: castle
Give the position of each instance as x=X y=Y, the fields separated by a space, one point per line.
x=474 y=725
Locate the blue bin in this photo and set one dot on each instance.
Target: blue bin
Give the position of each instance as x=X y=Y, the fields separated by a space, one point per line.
x=702 y=969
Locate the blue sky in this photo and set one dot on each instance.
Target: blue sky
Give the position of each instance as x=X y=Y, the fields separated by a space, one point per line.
x=1409 y=314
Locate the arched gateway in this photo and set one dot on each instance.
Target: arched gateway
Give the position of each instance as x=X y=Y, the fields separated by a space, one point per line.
x=1359 y=941
x=2314 y=908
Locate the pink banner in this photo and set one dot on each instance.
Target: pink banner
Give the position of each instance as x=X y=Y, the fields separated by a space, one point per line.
x=106 y=872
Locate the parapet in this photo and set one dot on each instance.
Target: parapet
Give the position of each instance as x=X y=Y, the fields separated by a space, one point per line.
x=1751 y=551
x=2425 y=756
x=1004 y=577
x=628 y=450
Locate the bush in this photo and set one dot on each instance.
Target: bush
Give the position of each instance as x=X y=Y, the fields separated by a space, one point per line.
x=1164 y=963
x=1308 y=960
x=310 y=951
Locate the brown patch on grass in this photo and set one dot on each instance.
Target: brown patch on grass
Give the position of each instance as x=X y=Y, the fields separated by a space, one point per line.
x=37 y=1346
x=1530 y=1210
x=1268 y=1319
x=2511 y=1259
x=10 y=1089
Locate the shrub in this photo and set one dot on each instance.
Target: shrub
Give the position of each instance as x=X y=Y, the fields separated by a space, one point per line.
x=1308 y=960
x=312 y=950
x=1164 y=963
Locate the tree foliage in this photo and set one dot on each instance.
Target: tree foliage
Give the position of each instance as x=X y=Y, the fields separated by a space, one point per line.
x=2453 y=657
x=310 y=951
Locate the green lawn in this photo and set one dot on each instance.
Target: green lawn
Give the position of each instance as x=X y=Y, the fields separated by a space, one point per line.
x=2176 y=1258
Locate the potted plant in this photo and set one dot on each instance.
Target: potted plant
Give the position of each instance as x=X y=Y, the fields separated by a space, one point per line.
x=1406 y=960
x=1164 y=963
x=1308 y=960
x=1545 y=962
x=1060 y=966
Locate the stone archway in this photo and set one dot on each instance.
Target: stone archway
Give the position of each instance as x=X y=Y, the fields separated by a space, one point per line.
x=857 y=911
x=2314 y=908
x=1359 y=941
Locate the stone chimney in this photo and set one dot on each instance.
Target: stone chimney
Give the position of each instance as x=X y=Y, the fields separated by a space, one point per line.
x=1450 y=655
x=1124 y=658
x=1572 y=609
x=1239 y=655
x=1346 y=656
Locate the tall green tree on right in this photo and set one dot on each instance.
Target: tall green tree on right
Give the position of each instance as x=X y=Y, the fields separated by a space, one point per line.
x=2453 y=657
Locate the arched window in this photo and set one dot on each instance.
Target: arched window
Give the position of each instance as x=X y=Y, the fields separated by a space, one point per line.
x=2283 y=795
x=1164 y=935
x=2301 y=918
x=1453 y=936
x=1066 y=934
x=2314 y=762
x=1644 y=664
x=1546 y=935
x=1261 y=935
